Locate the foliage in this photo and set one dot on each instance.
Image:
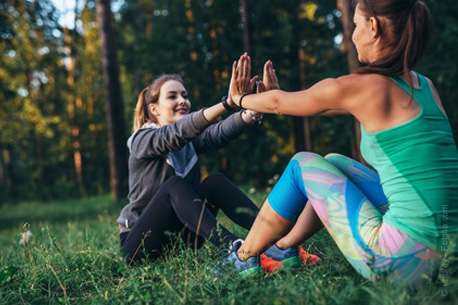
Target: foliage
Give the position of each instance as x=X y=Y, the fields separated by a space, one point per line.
x=77 y=261
x=51 y=104
x=53 y=140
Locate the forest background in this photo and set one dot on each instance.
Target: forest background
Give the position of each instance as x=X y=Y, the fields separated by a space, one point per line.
x=54 y=135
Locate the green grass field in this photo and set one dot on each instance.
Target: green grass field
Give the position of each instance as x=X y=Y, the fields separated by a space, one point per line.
x=73 y=258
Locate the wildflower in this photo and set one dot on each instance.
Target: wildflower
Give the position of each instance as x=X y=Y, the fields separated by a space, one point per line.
x=252 y=190
x=25 y=238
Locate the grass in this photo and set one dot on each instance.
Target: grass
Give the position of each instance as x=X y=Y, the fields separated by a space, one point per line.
x=73 y=258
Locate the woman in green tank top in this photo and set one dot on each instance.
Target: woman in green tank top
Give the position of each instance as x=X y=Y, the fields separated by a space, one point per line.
x=389 y=223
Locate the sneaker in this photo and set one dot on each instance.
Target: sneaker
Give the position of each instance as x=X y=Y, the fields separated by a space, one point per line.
x=251 y=265
x=288 y=258
x=270 y=265
x=307 y=258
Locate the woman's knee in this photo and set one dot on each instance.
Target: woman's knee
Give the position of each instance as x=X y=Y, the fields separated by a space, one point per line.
x=177 y=188
x=216 y=178
x=336 y=158
x=308 y=157
x=212 y=183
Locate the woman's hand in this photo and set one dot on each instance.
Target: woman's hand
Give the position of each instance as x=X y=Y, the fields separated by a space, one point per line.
x=241 y=81
x=270 y=80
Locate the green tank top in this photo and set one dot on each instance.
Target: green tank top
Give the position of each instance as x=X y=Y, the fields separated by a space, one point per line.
x=418 y=166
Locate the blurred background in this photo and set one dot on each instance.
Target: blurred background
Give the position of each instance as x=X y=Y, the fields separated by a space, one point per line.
x=70 y=73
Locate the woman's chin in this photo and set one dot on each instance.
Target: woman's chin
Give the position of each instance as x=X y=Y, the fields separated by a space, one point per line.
x=178 y=116
x=182 y=113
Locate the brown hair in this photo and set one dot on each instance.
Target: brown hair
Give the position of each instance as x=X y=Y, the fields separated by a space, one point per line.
x=408 y=33
x=150 y=95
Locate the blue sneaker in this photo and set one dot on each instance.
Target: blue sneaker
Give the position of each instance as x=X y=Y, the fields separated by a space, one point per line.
x=286 y=257
x=250 y=266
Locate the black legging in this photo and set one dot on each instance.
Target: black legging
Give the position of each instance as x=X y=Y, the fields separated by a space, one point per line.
x=177 y=208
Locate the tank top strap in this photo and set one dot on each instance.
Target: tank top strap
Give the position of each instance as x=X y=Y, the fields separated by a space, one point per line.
x=426 y=98
x=422 y=95
x=401 y=83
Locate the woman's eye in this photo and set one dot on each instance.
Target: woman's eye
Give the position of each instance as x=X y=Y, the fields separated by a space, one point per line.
x=185 y=96
x=172 y=97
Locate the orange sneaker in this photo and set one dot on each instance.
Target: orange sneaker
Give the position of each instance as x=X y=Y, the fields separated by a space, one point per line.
x=269 y=264
x=307 y=258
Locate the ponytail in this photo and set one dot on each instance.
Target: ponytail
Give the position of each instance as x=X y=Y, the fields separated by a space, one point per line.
x=411 y=26
x=141 y=111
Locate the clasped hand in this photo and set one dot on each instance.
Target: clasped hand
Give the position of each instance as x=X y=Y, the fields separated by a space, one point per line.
x=242 y=83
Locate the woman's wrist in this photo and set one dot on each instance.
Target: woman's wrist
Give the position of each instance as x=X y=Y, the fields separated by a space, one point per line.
x=226 y=105
x=213 y=112
x=240 y=104
x=251 y=116
x=236 y=99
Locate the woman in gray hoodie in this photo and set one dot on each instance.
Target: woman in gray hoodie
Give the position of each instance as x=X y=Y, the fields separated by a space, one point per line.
x=165 y=191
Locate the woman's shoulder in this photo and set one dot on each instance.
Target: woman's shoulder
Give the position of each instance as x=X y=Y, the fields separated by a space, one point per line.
x=363 y=94
x=360 y=88
x=362 y=81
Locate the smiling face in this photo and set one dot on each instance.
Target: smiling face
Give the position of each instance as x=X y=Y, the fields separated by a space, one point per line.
x=173 y=103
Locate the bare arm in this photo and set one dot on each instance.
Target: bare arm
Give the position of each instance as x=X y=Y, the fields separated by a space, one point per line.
x=326 y=95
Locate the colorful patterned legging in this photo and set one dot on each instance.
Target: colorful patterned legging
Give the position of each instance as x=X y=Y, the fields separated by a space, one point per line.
x=349 y=200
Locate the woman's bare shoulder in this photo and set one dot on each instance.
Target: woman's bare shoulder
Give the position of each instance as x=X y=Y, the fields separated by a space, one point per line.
x=364 y=80
x=357 y=89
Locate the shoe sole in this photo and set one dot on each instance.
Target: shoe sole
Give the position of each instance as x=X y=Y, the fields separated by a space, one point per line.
x=292 y=262
x=250 y=272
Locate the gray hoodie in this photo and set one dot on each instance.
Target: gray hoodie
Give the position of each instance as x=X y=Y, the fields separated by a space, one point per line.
x=158 y=153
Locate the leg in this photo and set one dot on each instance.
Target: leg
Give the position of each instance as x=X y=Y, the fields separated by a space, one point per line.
x=351 y=219
x=275 y=219
x=308 y=224
x=175 y=205
x=268 y=227
x=220 y=193
x=364 y=179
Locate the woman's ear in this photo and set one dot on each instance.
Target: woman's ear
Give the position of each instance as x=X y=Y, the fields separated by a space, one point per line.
x=152 y=108
x=375 y=27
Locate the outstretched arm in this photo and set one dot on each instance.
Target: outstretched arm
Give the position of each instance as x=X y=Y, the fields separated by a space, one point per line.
x=329 y=94
x=219 y=134
x=324 y=96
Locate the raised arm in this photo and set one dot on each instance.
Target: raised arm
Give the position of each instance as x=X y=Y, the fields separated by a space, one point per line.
x=328 y=97
x=324 y=96
x=154 y=142
x=219 y=134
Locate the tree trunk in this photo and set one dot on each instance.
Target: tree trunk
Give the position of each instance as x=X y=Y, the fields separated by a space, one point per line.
x=3 y=189
x=10 y=161
x=307 y=125
x=301 y=125
x=246 y=28
x=353 y=64
x=72 y=105
x=114 y=106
